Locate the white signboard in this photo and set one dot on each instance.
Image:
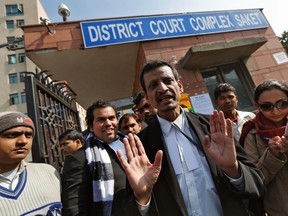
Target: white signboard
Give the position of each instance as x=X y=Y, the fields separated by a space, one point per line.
x=280 y=57
x=202 y=103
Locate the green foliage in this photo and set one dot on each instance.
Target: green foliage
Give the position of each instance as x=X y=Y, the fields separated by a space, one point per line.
x=284 y=40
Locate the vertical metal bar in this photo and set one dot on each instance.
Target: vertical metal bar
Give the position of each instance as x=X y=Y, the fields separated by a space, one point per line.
x=32 y=113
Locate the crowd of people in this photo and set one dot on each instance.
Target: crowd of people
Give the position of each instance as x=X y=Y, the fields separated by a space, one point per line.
x=160 y=160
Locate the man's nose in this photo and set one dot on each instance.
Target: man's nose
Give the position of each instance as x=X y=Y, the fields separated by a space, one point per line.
x=162 y=87
x=227 y=100
x=22 y=139
x=107 y=122
x=146 y=111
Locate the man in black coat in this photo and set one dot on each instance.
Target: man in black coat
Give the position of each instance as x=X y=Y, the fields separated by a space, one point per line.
x=80 y=171
x=197 y=168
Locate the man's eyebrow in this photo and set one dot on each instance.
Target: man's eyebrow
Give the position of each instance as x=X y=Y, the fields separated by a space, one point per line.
x=100 y=118
x=16 y=133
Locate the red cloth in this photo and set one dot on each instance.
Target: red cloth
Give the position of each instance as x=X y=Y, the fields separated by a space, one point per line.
x=263 y=126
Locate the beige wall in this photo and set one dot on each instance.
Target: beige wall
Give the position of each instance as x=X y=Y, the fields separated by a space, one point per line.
x=32 y=11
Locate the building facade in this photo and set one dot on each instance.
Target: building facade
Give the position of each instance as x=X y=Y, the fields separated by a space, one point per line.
x=13 y=61
x=102 y=59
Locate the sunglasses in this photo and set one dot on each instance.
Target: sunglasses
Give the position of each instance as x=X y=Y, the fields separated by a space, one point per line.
x=267 y=107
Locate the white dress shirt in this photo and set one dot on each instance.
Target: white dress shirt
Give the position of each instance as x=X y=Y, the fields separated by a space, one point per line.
x=191 y=168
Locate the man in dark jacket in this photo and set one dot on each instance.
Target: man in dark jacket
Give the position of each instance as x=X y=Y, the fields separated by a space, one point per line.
x=93 y=180
x=203 y=172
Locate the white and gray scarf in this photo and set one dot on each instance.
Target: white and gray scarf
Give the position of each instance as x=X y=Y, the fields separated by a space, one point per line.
x=102 y=175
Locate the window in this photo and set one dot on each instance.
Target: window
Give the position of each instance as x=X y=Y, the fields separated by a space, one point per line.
x=10 y=40
x=14 y=99
x=20 y=40
x=12 y=59
x=13 y=78
x=15 y=42
x=10 y=24
x=21 y=57
x=236 y=75
x=20 y=22
x=23 y=97
x=22 y=76
x=14 y=10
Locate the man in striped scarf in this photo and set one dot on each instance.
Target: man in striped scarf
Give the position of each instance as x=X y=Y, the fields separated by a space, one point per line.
x=93 y=181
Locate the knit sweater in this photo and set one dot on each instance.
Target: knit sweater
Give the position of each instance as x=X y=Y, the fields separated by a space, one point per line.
x=37 y=192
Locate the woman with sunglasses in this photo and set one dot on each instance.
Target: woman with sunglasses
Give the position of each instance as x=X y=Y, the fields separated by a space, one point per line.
x=265 y=143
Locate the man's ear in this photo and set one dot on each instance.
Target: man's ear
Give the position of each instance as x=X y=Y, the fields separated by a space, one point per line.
x=256 y=105
x=78 y=141
x=140 y=125
x=180 y=84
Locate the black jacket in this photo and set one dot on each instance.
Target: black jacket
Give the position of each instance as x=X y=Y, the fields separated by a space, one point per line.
x=167 y=194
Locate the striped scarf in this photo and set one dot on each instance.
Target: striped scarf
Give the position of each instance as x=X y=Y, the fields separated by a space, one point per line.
x=102 y=175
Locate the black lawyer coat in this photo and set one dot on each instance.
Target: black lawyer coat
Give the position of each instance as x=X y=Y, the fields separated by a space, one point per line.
x=77 y=187
x=167 y=194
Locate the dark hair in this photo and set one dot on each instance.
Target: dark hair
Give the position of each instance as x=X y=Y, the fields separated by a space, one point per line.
x=71 y=135
x=96 y=105
x=125 y=118
x=138 y=98
x=269 y=85
x=153 y=64
x=222 y=88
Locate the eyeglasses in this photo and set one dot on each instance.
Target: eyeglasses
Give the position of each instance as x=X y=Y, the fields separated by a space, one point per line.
x=267 y=107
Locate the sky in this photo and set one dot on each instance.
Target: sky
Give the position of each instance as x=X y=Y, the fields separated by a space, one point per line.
x=274 y=10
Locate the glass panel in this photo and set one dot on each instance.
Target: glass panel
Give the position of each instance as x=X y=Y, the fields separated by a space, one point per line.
x=13 y=78
x=23 y=97
x=12 y=59
x=10 y=24
x=22 y=76
x=20 y=22
x=12 y=10
x=211 y=79
x=232 y=77
x=22 y=57
x=10 y=40
x=14 y=99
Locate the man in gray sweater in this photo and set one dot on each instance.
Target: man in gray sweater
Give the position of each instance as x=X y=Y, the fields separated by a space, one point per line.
x=25 y=188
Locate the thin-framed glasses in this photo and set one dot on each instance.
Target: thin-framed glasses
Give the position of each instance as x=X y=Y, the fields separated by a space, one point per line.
x=267 y=107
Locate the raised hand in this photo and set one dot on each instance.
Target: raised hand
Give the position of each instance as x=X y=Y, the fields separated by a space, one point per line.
x=141 y=174
x=221 y=147
x=278 y=145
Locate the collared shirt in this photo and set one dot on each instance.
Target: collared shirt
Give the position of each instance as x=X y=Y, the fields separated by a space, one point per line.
x=242 y=117
x=191 y=168
x=118 y=145
x=9 y=180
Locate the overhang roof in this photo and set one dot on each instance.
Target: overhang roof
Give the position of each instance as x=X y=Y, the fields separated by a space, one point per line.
x=98 y=73
x=202 y=55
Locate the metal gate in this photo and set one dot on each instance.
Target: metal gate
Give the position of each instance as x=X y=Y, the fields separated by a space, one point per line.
x=52 y=107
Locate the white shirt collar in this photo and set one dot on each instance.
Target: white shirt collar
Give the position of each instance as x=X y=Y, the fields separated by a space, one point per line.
x=166 y=125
